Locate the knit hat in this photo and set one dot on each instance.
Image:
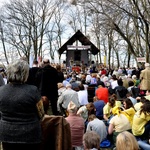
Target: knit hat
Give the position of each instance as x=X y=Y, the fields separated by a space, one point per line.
x=72 y=106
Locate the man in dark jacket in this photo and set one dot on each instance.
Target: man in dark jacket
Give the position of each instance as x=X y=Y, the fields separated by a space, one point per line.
x=120 y=90
x=32 y=73
x=47 y=83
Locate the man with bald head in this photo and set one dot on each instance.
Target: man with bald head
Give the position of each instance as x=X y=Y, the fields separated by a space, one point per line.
x=66 y=97
x=48 y=79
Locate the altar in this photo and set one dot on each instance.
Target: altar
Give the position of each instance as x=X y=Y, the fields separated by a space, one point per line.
x=79 y=48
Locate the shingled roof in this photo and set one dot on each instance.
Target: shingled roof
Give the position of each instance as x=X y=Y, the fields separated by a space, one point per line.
x=83 y=39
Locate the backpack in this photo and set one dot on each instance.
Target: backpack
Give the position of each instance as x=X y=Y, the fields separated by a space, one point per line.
x=135 y=91
x=121 y=92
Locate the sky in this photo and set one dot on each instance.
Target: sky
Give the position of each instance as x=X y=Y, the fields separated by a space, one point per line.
x=70 y=33
x=3 y=1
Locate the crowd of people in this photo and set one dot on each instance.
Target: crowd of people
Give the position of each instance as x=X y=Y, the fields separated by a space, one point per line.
x=116 y=114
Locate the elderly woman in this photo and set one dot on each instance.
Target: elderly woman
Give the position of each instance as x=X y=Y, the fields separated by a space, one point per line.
x=20 y=123
x=91 y=140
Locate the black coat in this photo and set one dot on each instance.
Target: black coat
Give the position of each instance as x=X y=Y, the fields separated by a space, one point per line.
x=47 y=79
x=32 y=74
x=19 y=121
x=60 y=76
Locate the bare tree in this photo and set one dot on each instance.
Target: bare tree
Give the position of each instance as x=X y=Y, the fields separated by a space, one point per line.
x=119 y=16
x=2 y=37
x=27 y=23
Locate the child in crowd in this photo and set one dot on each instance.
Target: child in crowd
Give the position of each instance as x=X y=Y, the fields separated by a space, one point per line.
x=86 y=110
x=107 y=109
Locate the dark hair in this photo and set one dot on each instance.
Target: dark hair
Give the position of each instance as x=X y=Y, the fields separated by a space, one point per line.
x=83 y=81
x=129 y=94
x=58 y=68
x=81 y=87
x=130 y=83
x=120 y=82
x=114 y=77
x=112 y=101
x=143 y=99
x=114 y=96
x=128 y=102
x=35 y=62
x=92 y=62
x=145 y=108
x=100 y=83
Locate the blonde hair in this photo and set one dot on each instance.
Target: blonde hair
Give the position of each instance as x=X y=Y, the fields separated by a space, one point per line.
x=126 y=141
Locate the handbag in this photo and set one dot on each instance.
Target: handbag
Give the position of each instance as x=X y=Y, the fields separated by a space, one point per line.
x=40 y=109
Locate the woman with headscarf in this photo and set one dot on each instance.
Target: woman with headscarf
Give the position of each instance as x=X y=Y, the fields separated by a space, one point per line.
x=118 y=123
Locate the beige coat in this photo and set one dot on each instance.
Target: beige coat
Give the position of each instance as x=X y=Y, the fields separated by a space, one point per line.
x=145 y=79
